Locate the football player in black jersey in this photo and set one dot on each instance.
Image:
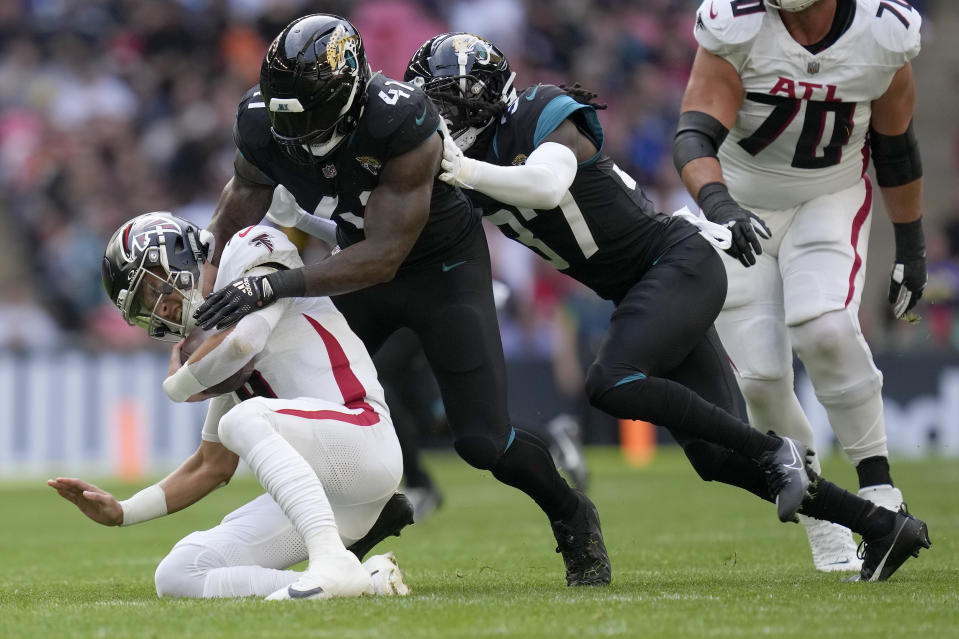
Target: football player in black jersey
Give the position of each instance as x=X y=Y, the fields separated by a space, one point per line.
x=533 y=162
x=363 y=151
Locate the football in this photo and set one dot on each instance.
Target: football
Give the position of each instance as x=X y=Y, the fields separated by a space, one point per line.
x=196 y=337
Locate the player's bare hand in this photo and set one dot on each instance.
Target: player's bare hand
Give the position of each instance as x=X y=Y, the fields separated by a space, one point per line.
x=94 y=502
x=175 y=358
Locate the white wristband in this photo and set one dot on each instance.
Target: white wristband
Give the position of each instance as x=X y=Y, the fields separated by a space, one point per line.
x=147 y=504
x=182 y=384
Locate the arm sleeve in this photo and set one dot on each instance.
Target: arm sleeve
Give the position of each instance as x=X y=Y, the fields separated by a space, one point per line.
x=247 y=339
x=219 y=406
x=319 y=227
x=540 y=184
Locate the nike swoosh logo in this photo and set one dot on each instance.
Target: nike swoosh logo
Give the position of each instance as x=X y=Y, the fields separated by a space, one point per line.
x=450 y=267
x=303 y=594
x=245 y=231
x=712 y=12
x=419 y=121
x=795 y=464
x=532 y=94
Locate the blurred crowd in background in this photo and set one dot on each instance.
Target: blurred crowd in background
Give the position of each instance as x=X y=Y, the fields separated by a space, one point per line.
x=111 y=108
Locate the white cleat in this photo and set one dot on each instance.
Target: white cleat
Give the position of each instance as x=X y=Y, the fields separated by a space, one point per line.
x=340 y=575
x=386 y=575
x=832 y=545
x=885 y=495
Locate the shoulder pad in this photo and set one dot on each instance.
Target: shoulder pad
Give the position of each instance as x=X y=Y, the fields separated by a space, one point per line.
x=251 y=130
x=895 y=26
x=724 y=25
x=394 y=107
x=253 y=246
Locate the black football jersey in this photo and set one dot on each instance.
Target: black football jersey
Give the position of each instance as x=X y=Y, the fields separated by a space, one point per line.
x=396 y=118
x=605 y=232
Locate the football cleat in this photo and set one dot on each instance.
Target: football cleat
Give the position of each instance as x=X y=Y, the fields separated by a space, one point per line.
x=885 y=495
x=787 y=476
x=386 y=575
x=832 y=545
x=339 y=575
x=425 y=500
x=580 y=540
x=397 y=513
x=882 y=557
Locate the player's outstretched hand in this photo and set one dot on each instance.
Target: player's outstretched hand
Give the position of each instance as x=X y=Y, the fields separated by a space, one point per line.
x=94 y=502
x=227 y=306
x=906 y=283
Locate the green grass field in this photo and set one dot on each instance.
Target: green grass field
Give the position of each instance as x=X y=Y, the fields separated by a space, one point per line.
x=689 y=560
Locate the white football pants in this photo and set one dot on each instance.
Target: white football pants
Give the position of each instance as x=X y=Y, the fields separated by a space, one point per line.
x=803 y=293
x=359 y=466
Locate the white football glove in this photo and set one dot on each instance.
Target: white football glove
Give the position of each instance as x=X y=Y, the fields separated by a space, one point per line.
x=284 y=211
x=458 y=170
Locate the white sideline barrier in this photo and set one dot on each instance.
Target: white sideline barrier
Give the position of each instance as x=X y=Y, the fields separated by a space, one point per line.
x=105 y=414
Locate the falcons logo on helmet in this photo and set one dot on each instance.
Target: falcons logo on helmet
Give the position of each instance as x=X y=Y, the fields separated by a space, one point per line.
x=263 y=240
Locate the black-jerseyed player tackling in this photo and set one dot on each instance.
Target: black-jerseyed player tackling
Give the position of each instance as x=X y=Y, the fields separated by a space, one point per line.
x=362 y=151
x=534 y=164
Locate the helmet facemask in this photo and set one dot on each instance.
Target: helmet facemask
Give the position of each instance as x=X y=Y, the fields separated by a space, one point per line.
x=151 y=300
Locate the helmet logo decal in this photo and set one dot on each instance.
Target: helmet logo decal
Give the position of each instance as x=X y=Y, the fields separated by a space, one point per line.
x=469 y=43
x=162 y=226
x=341 y=51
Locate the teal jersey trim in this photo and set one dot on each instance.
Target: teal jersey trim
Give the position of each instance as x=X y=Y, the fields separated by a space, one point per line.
x=560 y=108
x=512 y=436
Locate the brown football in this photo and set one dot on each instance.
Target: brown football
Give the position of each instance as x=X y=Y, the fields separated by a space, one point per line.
x=196 y=337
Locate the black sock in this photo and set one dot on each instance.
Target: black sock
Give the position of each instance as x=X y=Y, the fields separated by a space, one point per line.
x=832 y=503
x=527 y=465
x=873 y=471
x=673 y=406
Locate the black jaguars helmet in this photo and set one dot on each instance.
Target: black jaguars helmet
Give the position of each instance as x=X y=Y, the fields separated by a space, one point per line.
x=313 y=81
x=152 y=256
x=467 y=77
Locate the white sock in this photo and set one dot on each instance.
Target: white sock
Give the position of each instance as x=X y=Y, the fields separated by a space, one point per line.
x=294 y=485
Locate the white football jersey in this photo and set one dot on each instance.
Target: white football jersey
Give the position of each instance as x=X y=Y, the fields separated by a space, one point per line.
x=801 y=130
x=311 y=351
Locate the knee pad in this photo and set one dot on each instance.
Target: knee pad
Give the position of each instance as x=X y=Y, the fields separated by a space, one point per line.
x=180 y=573
x=706 y=459
x=479 y=452
x=600 y=379
x=836 y=355
x=243 y=427
x=763 y=394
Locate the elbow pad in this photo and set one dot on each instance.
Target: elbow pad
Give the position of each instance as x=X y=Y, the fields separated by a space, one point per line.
x=895 y=157
x=698 y=135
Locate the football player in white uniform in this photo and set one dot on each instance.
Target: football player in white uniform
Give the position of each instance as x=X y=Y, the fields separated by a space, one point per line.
x=310 y=421
x=785 y=101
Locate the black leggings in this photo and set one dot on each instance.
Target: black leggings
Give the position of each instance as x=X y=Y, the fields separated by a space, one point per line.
x=662 y=362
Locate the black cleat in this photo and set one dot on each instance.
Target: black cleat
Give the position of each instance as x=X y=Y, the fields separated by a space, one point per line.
x=397 y=513
x=883 y=556
x=580 y=540
x=787 y=476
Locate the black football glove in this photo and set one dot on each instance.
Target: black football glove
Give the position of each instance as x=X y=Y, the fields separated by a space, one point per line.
x=908 y=278
x=720 y=208
x=227 y=306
